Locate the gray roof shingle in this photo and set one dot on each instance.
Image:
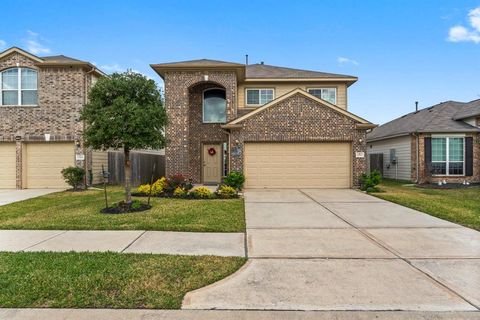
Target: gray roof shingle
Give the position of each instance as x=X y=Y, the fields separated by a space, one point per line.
x=438 y=118
x=261 y=71
x=60 y=59
x=470 y=109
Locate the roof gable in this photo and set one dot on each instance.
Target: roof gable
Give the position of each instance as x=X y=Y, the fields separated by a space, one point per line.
x=273 y=103
x=21 y=52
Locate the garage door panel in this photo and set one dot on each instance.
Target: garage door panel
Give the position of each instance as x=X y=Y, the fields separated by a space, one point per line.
x=44 y=163
x=298 y=165
x=8 y=165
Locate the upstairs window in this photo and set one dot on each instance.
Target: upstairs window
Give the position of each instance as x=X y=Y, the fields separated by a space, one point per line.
x=214 y=106
x=327 y=94
x=258 y=97
x=18 y=87
x=448 y=156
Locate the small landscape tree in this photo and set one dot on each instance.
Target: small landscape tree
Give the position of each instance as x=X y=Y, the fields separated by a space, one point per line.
x=125 y=110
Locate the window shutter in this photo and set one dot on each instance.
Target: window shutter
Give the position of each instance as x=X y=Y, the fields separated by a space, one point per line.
x=428 y=152
x=469 y=156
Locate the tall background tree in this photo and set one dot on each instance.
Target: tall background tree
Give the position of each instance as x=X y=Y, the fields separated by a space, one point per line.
x=125 y=110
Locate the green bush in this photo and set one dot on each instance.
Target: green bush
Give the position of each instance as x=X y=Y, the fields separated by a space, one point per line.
x=369 y=182
x=73 y=176
x=226 y=192
x=201 y=193
x=235 y=180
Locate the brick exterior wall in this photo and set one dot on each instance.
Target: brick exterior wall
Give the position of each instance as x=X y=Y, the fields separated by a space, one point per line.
x=425 y=178
x=300 y=119
x=185 y=132
x=61 y=95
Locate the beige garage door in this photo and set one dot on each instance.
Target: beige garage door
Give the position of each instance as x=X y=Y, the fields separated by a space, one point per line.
x=297 y=165
x=7 y=165
x=44 y=163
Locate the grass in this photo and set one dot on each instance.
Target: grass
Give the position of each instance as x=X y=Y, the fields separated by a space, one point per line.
x=81 y=211
x=460 y=206
x=106 y=280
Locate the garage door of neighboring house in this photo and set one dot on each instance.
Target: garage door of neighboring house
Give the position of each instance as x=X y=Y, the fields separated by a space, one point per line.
x=44 y=162
x=298 y=165
x=7 y=165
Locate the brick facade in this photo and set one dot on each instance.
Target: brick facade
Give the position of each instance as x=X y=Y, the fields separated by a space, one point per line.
x=185 y=131
x=300 y=119
x=295 y=119
x=62 y=94
x=424 y=177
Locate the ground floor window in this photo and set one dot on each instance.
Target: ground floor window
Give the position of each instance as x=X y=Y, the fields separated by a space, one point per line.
x=448 y=156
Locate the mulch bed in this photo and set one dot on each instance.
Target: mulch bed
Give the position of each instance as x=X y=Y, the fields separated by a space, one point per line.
x=124 y=208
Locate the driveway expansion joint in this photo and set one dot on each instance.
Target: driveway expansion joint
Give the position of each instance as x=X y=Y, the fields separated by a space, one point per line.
x=406 y=260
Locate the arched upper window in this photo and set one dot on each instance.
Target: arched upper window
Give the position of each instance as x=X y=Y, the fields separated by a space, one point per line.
x=18 y=87
x=214 y=106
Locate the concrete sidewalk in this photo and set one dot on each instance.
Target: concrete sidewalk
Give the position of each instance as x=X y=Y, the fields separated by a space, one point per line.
x=160 y=242
x=109 y=314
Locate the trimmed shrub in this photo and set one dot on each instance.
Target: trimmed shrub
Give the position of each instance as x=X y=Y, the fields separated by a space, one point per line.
x=144 y=188
x=175 y=181
x=73 y=176
x=234 y=179
x=156 y=188
x=369 y=182
x=201 y=193
x=179 y=192
x=226 y=192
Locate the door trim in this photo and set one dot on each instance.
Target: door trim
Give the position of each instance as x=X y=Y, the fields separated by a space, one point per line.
x=220 y=154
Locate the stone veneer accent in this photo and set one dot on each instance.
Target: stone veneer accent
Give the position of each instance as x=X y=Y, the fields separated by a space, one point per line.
x=300 y=119
x=423 y=177
x=185 y=131
x=62 y=94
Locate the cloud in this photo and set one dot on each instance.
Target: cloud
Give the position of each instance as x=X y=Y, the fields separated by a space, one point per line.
x=34 y=43
x=343 y=61
x=3 y=43
x=114 y=67
x=467 y=34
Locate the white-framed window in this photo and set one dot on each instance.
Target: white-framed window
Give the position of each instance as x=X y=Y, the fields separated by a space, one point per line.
x=448 y=156
x=258 y=97
x=19 y=87
x=214 y=106
x=327 y=94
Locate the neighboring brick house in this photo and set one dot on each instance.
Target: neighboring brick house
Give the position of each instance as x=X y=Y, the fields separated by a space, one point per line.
x=438 y=143
x=282 y=127
x=40 y=129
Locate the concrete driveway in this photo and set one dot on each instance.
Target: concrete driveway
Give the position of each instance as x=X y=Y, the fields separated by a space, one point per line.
x=13 y=195
x=345 y=250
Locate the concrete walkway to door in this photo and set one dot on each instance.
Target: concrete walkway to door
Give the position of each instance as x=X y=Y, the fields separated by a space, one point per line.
x=345 y=250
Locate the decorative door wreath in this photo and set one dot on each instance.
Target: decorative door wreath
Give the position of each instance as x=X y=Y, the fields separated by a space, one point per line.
x=212 y=151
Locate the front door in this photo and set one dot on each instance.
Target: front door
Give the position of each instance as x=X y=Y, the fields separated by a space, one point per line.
x=212 y=163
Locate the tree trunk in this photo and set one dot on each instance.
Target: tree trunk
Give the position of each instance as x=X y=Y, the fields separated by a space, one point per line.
x=128 y=175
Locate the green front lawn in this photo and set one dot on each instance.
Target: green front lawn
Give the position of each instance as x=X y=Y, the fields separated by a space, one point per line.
x=106 y=280
x=460 y=206
x=81 y=211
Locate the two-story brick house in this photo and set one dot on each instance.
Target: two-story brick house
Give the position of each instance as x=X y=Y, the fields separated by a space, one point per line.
x=282 y=127
x=40 y=129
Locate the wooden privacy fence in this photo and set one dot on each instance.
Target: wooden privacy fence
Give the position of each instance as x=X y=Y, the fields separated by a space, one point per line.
x=142 y=165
